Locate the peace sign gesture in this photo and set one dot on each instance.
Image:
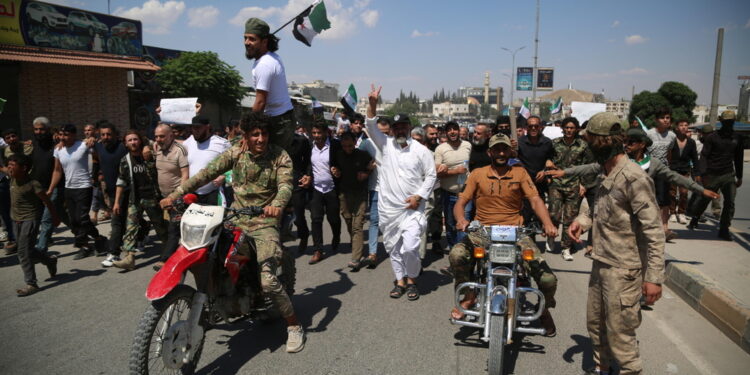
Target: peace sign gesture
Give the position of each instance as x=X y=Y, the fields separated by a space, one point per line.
x=372 y=97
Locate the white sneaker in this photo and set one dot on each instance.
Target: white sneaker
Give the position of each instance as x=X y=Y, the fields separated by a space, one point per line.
x=566 y=255
x=295 y=340
x=108 y=262
x=680 y=219
x=3 y=236
x=549 y=245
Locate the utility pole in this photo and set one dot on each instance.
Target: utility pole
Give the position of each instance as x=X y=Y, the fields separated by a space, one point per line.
x=108 y=11
x=536 y=56
x=512 y=71
x=713 y=112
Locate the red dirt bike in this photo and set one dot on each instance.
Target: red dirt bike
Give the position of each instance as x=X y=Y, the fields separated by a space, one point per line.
x=171 y=332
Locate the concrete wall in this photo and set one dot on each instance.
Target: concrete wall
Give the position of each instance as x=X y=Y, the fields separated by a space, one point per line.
x=72 y=94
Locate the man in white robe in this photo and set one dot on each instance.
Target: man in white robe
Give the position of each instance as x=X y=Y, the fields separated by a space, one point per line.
x=405 y=181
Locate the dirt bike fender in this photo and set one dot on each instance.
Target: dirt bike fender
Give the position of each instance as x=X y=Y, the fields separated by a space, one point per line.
x=170 y=275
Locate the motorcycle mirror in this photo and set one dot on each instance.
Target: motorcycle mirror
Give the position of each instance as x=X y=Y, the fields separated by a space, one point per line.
x=190 y=198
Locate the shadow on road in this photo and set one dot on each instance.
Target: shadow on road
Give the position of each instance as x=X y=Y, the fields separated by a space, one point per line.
x=73 y=275
x=9 y=261
x=312 y=300
x=582 y=346
x=250 y=339
x=431 y=281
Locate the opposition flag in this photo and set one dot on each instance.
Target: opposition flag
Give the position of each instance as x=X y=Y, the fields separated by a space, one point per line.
x=349 y=100
x=311 y=22
x=525 y=111
x=643 y=126
x=557 y=107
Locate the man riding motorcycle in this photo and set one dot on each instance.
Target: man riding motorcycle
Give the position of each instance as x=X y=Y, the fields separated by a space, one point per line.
x=498 y=191
x=262 y=176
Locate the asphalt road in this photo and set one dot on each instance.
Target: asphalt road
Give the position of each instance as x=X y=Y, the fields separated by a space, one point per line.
x=83 y=322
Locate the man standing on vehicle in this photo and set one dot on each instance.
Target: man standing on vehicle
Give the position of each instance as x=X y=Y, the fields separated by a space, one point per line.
x=263 y=178
x=269 y=80
x=628 y=249
x=498 y=191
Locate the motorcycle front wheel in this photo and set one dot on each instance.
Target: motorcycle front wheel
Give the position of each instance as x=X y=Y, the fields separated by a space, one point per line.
x=497 y=344
x=155 y=349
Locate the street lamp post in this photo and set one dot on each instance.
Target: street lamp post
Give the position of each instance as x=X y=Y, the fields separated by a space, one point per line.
x=512 y=72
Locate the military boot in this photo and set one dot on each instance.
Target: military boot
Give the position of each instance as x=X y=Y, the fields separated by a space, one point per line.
x=127 y=263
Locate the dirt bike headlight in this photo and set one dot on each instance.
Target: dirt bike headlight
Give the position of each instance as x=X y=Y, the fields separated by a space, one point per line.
x=192 y=235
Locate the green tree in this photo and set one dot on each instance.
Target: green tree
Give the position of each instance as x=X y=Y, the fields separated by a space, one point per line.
x=544 y=111
x=644 y=105
x=202 y=75
x=681 y=98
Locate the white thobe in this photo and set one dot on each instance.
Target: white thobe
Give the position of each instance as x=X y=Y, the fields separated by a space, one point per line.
x=402 y=173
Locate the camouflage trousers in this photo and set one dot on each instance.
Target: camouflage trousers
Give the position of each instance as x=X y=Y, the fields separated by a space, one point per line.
x=462 y=262
x=613 y=312
x=563 y=209
x=282 y=129
x=268 y=252
x=132 y=224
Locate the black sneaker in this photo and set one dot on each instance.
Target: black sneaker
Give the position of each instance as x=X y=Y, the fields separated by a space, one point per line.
x=100 y=245
x=83 y=252
x=693 y=223
x=725 y=235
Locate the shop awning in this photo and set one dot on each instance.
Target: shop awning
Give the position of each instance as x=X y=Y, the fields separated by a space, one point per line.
x=75 y=58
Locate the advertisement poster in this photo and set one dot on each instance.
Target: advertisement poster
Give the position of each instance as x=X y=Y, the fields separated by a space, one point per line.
x=545 y=78
x=524 y=79
x=36 y=23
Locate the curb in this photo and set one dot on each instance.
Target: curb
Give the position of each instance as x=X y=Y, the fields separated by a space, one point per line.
x=717 y=305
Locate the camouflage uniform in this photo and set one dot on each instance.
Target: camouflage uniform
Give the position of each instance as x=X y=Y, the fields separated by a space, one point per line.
x=138 y=206
x=282 y=129
x=462 y=262
x=628 y=249
x=258 y=180
x=564 y=198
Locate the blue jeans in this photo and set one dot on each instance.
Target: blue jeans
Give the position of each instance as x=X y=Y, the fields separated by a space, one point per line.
x=452 y=235
x=372 y=236
x=45 y=227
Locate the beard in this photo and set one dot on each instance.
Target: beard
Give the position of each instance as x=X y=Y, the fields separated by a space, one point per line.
x=480 y=142
x=401 y=139
x=45 y=140
x=499 y=162
x=504 y=131
x=602 y=154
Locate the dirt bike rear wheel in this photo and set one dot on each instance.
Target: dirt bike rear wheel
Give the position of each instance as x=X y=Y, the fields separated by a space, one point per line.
x=146 y=356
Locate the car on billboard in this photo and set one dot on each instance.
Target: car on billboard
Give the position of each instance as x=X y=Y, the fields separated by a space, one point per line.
x=46 y=15
x=82 y=21
x=125 y=29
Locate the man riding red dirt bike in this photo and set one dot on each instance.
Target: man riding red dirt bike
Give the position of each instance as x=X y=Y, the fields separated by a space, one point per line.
x=262 y=178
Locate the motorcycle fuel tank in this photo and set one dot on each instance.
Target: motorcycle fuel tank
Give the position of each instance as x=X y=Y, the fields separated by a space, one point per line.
x=171 y=274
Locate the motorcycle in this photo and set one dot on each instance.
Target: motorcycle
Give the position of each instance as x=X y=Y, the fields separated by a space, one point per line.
x=171 y=332
x=502 y=286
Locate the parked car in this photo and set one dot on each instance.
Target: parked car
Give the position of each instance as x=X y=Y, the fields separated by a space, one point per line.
x=85 y=22
x=45 y=14
x=125 y=29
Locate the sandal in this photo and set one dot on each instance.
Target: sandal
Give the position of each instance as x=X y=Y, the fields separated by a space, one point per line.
x=412 y=292
x=372 y=262
x=355 y=265
x=397 y=291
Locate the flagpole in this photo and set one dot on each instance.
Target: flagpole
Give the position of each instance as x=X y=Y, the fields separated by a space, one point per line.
x=291 y=20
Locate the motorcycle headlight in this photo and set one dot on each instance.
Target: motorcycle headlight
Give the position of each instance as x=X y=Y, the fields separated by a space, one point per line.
x=503 y=253
x=192 y=235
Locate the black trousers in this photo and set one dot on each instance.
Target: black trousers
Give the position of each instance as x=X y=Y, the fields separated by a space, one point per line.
x=325 y=204
x=299 y=201
x=78 y=202
x=173 y=237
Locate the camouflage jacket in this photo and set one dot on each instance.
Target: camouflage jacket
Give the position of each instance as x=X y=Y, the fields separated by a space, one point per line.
x=257 y=180
x=565 y=156
x=124 y=178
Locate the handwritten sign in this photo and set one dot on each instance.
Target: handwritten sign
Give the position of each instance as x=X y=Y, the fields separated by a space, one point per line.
x=178 y=110
x=584 y=110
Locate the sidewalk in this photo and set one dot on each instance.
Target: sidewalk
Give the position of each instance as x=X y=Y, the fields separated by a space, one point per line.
x=713 y=275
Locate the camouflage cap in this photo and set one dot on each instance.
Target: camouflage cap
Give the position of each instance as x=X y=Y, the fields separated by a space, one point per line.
x=728 y=115
x=257 y=26
x=499 y=139
x=707 y=129
x=603 y=123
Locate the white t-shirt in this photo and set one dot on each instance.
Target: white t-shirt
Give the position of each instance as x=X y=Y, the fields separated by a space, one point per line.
x=200 y=154
x=663 y=143
x=75 y=164
x=269 y=76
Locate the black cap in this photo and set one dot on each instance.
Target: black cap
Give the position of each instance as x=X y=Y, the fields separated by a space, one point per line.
x=200 y=120
x=401 y=117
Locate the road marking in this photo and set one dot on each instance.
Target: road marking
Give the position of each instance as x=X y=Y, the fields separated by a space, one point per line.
x=694 y=357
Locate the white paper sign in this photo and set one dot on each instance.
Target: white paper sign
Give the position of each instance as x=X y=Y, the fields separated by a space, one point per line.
x=177 y=110
x=584 y=110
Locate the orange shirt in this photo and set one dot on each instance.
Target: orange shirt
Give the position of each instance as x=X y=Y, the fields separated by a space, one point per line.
x=499 y=198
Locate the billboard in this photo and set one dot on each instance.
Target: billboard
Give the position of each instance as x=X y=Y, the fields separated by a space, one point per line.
x=35 y=23
x=524 y=79
x=545 y=78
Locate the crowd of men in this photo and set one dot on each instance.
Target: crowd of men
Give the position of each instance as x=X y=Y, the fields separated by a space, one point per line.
x=411 y=183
